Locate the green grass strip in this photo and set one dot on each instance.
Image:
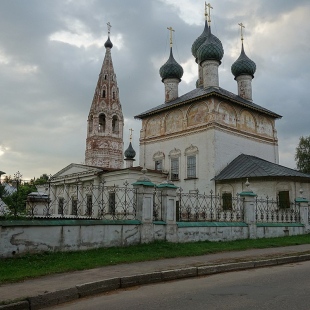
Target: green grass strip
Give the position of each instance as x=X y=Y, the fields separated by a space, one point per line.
x=35 y=265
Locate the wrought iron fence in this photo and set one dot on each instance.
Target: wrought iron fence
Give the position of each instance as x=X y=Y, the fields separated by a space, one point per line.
x=272 y=211
x=195 y=207
x=157 y=205
x=76 y=200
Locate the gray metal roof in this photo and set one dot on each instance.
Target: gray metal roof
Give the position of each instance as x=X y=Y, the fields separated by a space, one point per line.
x=200 y=93
x=248 y=166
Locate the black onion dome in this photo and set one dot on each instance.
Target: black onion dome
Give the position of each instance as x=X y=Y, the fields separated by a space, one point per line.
x=171 y=69
x=200 y=40
x=108 y=43
x=243 y=65
x=130 y=153
x=211 y=49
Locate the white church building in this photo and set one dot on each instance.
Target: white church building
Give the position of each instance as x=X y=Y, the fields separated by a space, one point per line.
x=208 y=139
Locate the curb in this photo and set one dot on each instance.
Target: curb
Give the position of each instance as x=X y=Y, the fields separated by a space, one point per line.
x=108 y=285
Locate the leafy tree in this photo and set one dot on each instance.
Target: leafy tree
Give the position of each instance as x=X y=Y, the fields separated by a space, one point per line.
x=17 y=200
x=302 y=155
x=3 y=191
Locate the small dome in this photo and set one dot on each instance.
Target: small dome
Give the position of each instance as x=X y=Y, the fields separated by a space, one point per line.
x=171 y=69
x=243 y=65
x=108 y=43
x=130 y=153
x=211 y=49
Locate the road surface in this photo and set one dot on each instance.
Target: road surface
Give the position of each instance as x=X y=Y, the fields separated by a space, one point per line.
x=280 y=287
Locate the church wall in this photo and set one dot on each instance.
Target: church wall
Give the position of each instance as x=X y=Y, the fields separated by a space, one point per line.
x=203 y=141
x=230 y=145
x=265 y=188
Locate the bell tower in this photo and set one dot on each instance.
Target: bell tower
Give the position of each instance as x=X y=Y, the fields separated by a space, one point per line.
x=104 y=142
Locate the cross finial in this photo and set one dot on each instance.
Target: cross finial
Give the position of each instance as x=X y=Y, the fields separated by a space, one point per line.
x=241 y=26
x=109 y=28
x=130 y=137
x=170 y=29
x=209 y=14
x=206 y=11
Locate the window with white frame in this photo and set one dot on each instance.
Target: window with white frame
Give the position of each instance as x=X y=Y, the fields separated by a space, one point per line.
x=158 y=158
x=191 y=166
x=174 y=170
x=191 y=154
x=159 y=164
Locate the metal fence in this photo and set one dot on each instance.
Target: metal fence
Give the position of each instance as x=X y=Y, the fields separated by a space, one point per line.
x=157 y=205
x=74 y=200
x=272 y=211
x=195 y=207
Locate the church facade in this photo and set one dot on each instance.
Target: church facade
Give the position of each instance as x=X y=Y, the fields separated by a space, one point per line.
x=195 y=136
x=208 y=139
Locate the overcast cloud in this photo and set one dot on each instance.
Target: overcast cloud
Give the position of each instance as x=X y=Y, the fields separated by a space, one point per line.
x=51 y=52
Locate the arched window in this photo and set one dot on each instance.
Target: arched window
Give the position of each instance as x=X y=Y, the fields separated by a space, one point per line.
x=90 y=124
x=103 y=93
x=105 y=76
x=101 y=127
x=115 y=124
x=113 y=96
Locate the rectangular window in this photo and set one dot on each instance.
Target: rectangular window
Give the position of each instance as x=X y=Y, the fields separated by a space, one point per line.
x=159 y=164
x=89 y=205
x=227 y=201
x=112 y=203
x=61 y=205
x=174 y=169
x=191 y=166
x=284 y=199
x=74 y=206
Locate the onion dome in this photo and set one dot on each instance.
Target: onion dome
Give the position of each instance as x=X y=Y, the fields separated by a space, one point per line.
x=200 y=40
x=211 y=49
x=130 y=153
x=243 y=65
x=171 y=69
x=108 y=43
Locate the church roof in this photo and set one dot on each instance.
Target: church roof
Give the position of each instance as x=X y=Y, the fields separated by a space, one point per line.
x=248 y=166
x=201 y=93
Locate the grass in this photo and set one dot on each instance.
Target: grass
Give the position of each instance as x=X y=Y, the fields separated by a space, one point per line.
x=35 y=265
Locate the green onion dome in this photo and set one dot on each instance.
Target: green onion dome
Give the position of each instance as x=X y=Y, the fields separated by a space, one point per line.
x=171 y=69
x=243 y=65
x=211 y=49
x=130 y=153
x=108 y=43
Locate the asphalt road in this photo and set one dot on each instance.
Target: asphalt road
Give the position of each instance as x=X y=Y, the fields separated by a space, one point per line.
x=281 y=287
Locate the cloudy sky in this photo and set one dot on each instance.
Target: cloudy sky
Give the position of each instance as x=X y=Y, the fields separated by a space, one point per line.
x=51 y=52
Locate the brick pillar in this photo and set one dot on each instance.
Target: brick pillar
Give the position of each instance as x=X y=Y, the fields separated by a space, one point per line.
x=304 y=212
x=169 y=210
x=249 y=212
x=145 y=190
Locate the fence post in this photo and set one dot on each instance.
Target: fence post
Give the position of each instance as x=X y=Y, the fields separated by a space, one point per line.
x=249 y=211
x=304 y=212
x=169 y=209
x=145 y=190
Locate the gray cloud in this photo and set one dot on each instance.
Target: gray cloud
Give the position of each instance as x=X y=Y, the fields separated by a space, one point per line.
x=47 y=85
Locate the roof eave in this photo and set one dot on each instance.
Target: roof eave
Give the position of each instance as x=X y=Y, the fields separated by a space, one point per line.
x=213 y=93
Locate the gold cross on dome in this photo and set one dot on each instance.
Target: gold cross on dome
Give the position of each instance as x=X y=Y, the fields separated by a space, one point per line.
x=206 y=11
x=109 y=27
x=131 y=130
x=241 y=26
x=209 y=9
x=171 y=30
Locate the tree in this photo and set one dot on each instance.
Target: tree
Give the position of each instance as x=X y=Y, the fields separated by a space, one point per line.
x=302 y=155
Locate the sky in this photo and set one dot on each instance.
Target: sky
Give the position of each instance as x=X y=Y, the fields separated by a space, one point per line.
x=51 y=52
